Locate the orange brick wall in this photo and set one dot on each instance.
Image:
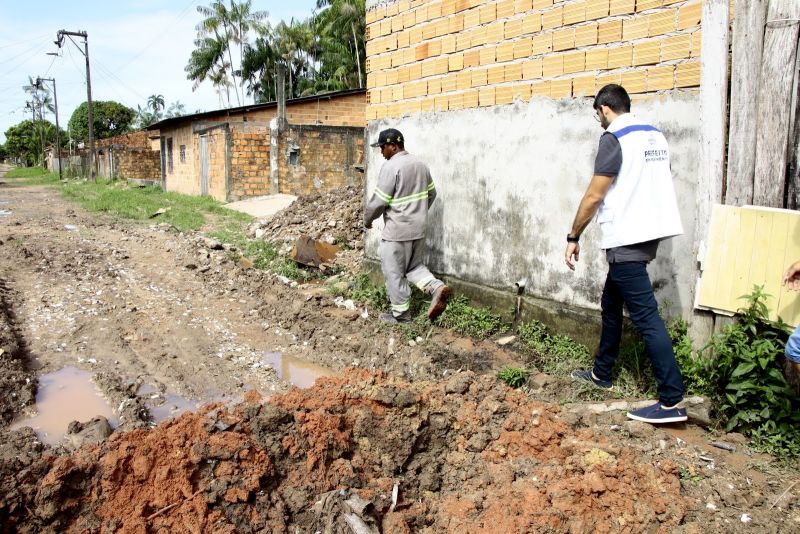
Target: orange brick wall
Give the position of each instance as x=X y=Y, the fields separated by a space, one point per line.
x=325 y=158
x=439 y=55
x=347 y=110
x=250 y=166
x=132 y=157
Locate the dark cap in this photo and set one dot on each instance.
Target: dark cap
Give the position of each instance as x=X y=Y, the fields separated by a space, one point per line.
x=389 y=136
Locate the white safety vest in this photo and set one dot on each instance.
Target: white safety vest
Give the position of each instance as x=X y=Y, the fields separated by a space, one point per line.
x=640 y=205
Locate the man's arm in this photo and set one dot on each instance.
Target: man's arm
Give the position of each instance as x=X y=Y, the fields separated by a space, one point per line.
x=381 y=198
x=590 y=203
x=431 y=191
x=792 y=276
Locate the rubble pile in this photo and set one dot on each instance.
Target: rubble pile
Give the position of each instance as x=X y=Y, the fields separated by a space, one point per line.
x=358 y=453
x=334 y=217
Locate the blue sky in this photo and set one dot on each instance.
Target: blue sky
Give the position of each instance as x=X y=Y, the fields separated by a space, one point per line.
x=137 y=48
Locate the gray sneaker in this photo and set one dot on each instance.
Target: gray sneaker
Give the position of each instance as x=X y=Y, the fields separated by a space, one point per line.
x=390 y=318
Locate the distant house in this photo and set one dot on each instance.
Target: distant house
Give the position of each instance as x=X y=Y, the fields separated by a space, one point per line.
x=235 y=153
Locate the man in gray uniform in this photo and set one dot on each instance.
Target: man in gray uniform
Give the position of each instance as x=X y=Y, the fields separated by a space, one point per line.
x=403 y=195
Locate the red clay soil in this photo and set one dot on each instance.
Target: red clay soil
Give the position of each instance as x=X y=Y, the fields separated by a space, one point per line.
x=467 y=454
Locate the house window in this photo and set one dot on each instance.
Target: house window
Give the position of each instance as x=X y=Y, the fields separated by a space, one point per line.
x=183 y=153
x=169 y=154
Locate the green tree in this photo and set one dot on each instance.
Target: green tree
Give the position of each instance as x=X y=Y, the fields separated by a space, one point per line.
x=207 y=62
x=23 y=140
x=341 y=18
x=175 y=109
x=156 y=103
x=110 y=118
x=218 y=22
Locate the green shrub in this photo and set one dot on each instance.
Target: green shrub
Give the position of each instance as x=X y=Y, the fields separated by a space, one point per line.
x=741 y=371
x=470 y=321
x=515 y=377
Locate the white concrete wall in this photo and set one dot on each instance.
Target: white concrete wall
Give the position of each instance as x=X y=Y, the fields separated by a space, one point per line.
x=510 y=179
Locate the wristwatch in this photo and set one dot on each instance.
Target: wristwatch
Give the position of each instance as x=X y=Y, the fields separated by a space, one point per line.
x=571 y=239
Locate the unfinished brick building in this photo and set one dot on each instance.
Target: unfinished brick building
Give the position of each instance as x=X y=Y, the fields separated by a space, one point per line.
x=129 y=156
x=243 y=152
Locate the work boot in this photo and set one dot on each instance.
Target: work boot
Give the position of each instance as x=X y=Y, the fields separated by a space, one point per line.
x=390 y=318
x=439 y=302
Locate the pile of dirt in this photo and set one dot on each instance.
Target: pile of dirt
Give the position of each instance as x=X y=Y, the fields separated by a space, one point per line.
x=464 y=455
x=335 y=217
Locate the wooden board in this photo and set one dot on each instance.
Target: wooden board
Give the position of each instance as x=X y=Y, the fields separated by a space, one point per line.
x=749 y=246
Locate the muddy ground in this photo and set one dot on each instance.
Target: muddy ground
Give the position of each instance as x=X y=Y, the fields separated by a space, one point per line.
x=151 y=312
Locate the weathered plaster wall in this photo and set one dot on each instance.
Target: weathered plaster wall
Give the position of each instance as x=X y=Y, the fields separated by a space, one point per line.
x=510 y=179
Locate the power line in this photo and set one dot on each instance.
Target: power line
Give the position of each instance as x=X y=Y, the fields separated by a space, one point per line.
x=159 y=36
x=31 y=49
x=17 y=43
x=105 y=71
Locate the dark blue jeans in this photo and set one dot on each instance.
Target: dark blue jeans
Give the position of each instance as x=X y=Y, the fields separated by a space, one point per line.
x=628 y=283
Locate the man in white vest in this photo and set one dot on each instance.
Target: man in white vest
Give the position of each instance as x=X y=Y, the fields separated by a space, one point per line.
x=632 y=195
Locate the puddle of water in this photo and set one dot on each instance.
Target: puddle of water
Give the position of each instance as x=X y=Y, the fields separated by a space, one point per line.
x=173 y=406
x=64 y=396
x=5 y=213
x=299 y=372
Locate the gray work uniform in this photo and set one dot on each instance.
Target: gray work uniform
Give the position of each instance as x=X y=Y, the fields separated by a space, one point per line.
x=403 y=195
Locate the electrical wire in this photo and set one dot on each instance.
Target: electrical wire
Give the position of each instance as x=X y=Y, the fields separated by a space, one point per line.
x=17 y=43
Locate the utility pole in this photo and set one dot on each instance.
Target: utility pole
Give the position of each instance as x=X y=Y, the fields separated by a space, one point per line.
x=58 y=128
x=59 y=42
x=32 y=106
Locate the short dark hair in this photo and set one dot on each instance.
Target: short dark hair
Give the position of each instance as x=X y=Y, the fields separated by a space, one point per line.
x=614 y=96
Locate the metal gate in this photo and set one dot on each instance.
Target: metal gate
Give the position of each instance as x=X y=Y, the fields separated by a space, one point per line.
x=203 y=164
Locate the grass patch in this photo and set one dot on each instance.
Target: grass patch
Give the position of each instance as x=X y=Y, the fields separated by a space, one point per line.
x=471 y=321
x=515 y=377
x=120 y=200
x=32 y=176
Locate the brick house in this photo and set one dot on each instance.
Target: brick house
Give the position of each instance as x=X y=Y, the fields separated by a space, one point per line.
x=496 y=95
x=243 y=152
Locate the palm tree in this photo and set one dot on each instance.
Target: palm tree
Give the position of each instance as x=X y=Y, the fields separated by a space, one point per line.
x=219 y=17
x=207 y=62
x=244 y=20
x=341 y=17
x=156 y=103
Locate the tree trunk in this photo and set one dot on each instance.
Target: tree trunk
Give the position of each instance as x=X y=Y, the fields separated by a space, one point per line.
x=358 y=56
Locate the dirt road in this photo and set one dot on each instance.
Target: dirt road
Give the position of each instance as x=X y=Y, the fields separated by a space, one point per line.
x=154 y=315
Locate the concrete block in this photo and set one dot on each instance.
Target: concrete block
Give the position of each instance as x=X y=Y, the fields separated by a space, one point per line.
x=643 y=5
x=532 y=23
x=586 y=35
x=561 y=88
x=597 y=9
x=472 y=58
x=575 y=12
x=635 y=81
x=574 y=62
x=455 y=62
x=487 y=55
x=505 y=9
x=495 y=74
x=663 y=22
x=596 y=59
x=505 y=52
x=522 y=48
x=689 y=16
x=609 y=32
x=687 y=74
x=564 y=39
x=677 y=47
x=540 y=89
x=486 y=96
x=532 y=69
x=521 y=6
x=635 y=28
x=553 y=18
x=697 y=40
x=513 y=28
x=448 y=44
x=583 y=86
x=552 y=65
x=621 y=7
x=660 y=78
x=646 y=53
x=542 y=44
x=495 y=32
x=620 y=56
x=513 y=72
x=479 y=77
x=487 y=13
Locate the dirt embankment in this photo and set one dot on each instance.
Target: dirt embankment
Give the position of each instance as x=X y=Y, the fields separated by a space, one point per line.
x=467 y=455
